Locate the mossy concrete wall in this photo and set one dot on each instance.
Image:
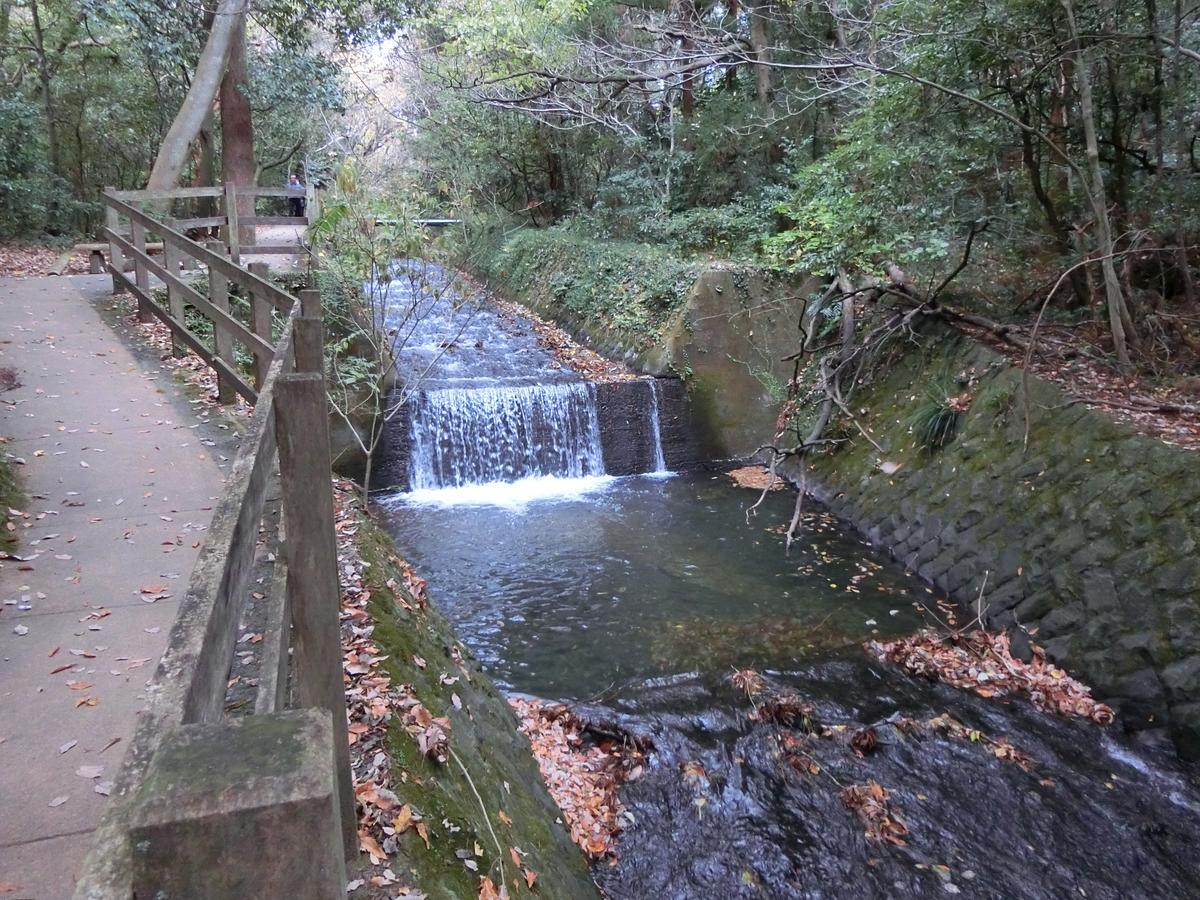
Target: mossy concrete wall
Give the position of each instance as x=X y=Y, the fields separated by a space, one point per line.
x=1088 y=536
x=724 y=328
x=490 y=795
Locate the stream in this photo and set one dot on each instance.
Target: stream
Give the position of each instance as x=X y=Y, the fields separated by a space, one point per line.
x=635 y=599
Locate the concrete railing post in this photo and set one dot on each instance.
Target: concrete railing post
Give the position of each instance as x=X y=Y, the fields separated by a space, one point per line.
x=141 y=274
x=116 y=257
x=302 y=435
x=231 y=224
x=172 y=259
x=218 y=293
x=244 y=807
x=260 y=321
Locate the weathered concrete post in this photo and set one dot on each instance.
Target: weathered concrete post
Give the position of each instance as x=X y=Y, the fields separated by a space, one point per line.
x=172 y=257
x=141 y=274
x=260 y=322
x=116 y=256
x=244 y=807
x=302 y=435
x=231 y=226
x=308 y=336
x=218 y=293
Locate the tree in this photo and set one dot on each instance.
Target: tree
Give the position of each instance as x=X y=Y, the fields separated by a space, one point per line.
x=228 y=22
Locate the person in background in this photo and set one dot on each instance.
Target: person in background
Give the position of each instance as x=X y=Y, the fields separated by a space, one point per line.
x=296 y=203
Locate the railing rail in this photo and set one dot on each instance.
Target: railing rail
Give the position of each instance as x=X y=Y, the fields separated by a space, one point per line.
x=191 y=773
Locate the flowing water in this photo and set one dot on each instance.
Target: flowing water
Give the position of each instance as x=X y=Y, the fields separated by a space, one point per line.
x=636 y=597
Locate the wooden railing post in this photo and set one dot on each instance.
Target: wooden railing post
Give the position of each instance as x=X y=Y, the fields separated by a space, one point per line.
x=137 y=232
x=172 y=257
x=116 y=256
x=231 y=223
x=218 y=293
x=302 y=435
x=260 y=321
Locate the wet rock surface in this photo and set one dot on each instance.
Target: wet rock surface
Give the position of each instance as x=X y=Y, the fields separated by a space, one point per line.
x=720 y=811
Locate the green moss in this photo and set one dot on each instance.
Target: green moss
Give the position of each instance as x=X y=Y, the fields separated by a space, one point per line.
x=633 y=289
x=12 y=496
x=490 y=757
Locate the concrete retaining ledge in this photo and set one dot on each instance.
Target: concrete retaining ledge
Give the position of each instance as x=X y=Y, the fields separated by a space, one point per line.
x=210 y=820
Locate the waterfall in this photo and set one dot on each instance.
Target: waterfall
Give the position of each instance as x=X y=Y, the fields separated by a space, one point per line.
x=660 y=462
x=484 y=434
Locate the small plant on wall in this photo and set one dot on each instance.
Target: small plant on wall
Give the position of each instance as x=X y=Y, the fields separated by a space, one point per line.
x=935 y=420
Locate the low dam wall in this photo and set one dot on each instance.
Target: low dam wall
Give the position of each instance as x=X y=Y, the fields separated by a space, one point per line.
x=1087 y=538
x=723 y=328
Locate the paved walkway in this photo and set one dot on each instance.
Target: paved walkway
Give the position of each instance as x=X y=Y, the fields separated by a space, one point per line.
x=122 y=475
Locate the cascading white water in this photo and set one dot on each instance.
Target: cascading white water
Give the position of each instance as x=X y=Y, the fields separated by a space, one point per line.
x=660 y=461
x=491 y=433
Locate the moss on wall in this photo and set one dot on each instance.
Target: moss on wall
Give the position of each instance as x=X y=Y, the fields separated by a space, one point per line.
x=1089 y=535
x=491 y=768
x=629 y=291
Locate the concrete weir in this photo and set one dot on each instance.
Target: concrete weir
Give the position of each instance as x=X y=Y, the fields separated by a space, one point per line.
x=645 y=425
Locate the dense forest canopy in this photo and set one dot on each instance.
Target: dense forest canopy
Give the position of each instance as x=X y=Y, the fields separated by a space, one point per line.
x=872 y=140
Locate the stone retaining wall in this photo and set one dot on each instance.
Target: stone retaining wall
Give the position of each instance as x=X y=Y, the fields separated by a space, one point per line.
x=1088 y=537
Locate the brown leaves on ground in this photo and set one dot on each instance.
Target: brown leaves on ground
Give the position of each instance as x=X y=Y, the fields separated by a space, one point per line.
x=190 y=367
x=1062 y=356
x=756 y=477
x=583 y=775
x=31 y=260
x=788 y=710
x=432 y=733
x=982 y=662
x=872 y=803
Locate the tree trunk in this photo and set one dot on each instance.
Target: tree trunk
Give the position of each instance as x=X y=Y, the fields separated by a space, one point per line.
x=173 y=152
x=761 y=50
x=5 y=21
x=47 y=87
x=688 y=16
x=205 y=167
x=1181 y=149
x=237 y=131
x=1118 y=312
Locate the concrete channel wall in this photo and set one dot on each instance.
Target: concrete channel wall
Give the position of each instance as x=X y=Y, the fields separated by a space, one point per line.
x=1088 y=537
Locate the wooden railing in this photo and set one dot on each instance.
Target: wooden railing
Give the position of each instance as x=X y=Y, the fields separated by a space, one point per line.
x=199 y=791
x=128 y=228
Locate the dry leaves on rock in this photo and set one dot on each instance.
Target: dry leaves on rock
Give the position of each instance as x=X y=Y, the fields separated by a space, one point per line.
x=982 y=662
x=757 y=477
x=566 y=349
x=872 y=803
x=583 y=776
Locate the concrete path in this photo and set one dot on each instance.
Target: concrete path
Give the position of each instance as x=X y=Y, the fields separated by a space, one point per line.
x=122 y=471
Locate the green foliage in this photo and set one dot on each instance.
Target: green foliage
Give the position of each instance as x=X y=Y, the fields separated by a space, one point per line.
x=632 y=288
x=32 y=199
x=12 y=496
x=935 y=419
